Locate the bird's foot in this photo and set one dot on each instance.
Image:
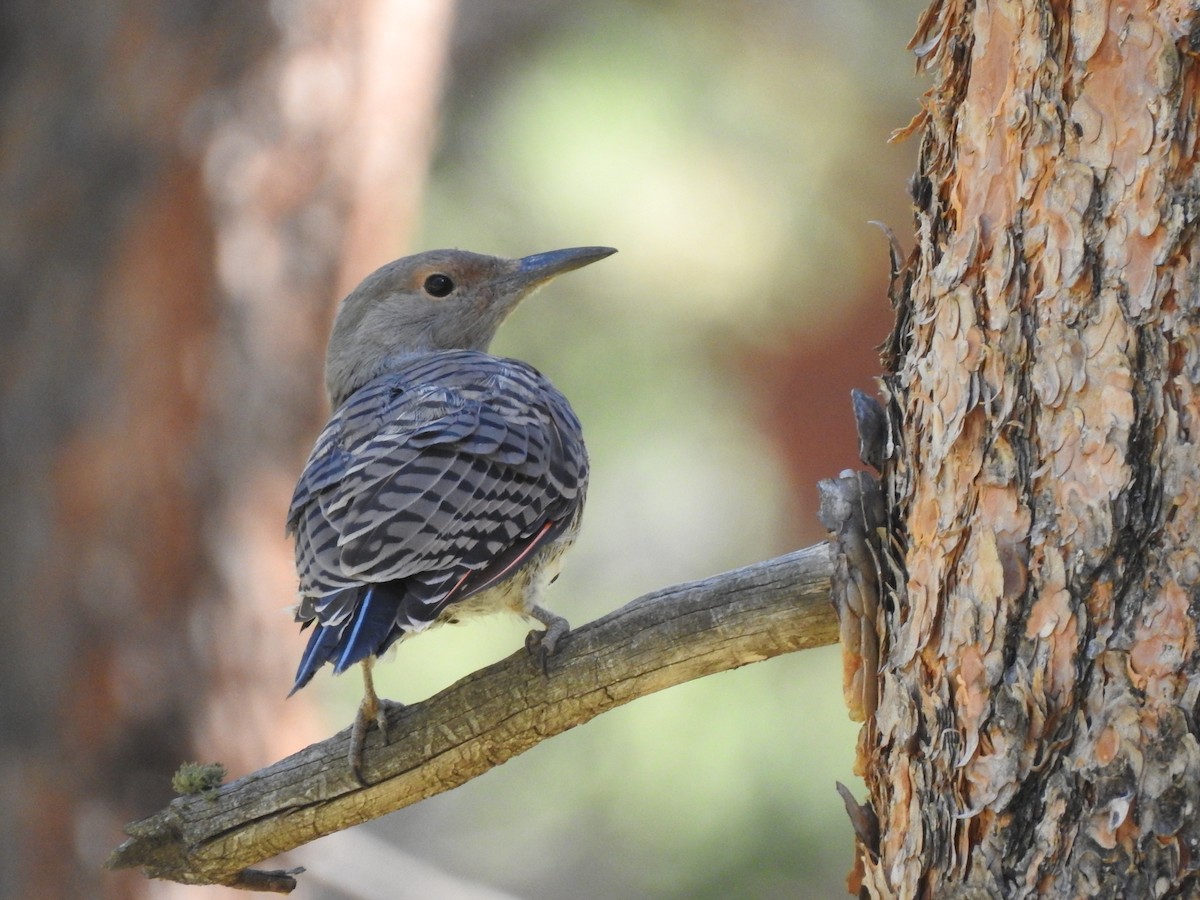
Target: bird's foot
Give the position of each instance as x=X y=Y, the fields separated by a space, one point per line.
x=372 y=711
x=542 y=644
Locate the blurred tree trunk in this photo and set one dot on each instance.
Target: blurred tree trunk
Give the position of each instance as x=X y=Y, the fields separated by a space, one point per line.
x=186 y=188
x=1036 y=730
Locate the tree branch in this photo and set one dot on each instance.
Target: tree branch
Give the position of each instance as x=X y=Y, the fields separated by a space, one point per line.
x=659 y=640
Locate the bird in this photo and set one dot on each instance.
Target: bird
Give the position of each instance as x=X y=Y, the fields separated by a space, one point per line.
x=448 y=481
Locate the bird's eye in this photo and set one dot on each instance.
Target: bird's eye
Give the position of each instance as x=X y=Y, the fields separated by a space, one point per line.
x=438 y=285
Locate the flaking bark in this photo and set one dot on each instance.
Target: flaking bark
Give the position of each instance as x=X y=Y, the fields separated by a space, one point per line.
x=1036 y=727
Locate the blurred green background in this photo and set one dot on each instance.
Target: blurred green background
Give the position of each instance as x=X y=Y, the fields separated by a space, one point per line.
x=734 y=153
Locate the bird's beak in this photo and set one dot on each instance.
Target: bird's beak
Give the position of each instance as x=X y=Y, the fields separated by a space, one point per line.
x=534 y=271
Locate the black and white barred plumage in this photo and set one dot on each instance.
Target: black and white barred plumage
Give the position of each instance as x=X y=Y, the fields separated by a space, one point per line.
x=455 y=475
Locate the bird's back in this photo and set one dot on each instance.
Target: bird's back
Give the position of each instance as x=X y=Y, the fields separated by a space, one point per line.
x=444 y=477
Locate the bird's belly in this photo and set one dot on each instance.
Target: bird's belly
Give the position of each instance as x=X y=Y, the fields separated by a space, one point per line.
x=518 y=594
x=506 y=597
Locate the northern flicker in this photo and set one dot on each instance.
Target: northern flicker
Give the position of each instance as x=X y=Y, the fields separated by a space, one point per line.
x=448 y=481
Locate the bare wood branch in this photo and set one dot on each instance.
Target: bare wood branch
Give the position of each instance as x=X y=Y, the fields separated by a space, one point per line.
x=659 y=640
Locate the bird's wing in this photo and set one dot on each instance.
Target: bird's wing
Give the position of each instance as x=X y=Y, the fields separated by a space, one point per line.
x=435 y=471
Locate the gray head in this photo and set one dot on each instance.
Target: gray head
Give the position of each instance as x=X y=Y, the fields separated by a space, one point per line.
x=438 y=300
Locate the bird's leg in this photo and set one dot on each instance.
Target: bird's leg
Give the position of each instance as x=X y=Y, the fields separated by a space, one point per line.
x=371 y=710
x=541 y=644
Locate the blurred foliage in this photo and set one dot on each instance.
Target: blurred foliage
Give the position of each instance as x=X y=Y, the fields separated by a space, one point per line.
x=733 y=153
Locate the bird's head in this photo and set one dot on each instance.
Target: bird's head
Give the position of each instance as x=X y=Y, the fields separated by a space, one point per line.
x=438 y=300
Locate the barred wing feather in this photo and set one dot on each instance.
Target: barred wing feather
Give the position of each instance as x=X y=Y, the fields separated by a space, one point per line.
x=432 y=471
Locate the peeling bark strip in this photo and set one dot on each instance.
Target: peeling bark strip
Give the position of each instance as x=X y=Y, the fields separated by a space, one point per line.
x=659 y=640
x=1036 y=732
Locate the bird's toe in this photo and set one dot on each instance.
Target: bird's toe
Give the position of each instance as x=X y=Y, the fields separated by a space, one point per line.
x=542 y=644
x=369 y=714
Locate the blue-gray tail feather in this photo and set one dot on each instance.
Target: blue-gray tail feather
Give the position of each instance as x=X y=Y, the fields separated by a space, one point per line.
x=366 y=633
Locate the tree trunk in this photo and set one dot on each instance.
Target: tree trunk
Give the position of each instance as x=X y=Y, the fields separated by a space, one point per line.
x=1036 y=728
x=179 y=180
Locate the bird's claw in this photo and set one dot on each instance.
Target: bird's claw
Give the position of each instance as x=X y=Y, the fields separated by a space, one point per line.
x=368 y=714
x=535 y=645
x=542 y=644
